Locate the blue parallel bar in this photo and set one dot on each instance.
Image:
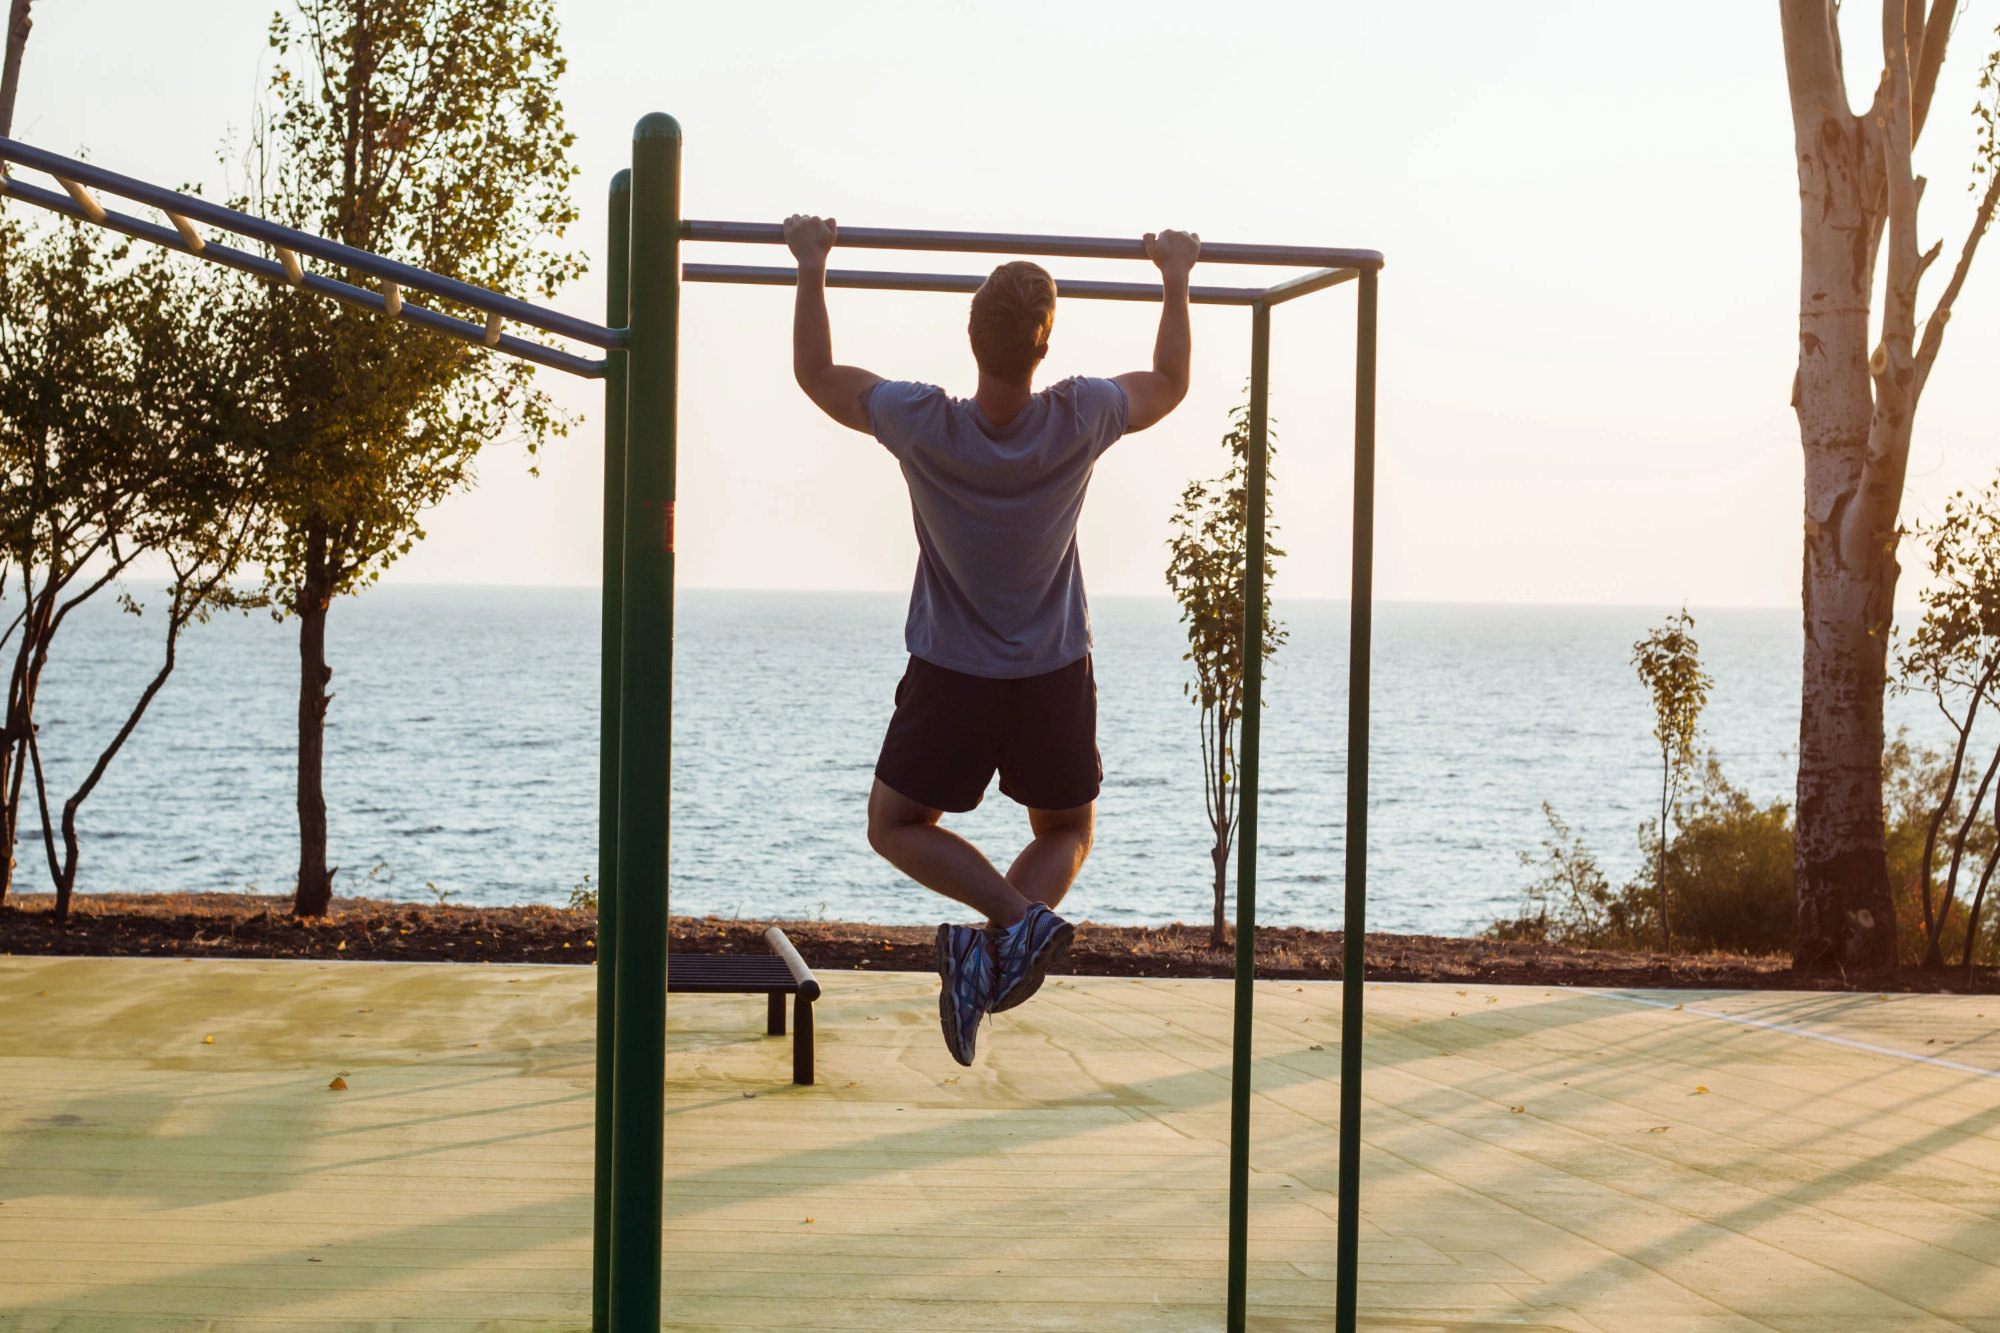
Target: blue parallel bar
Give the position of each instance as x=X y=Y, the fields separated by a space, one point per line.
x=272 y=271
x=773 y=276
x=198 y=209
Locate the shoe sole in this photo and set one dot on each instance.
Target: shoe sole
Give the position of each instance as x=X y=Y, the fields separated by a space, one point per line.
x=948 y=998
x=1052 y=951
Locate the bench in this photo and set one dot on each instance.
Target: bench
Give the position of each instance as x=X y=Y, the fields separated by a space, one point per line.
x=777 y=975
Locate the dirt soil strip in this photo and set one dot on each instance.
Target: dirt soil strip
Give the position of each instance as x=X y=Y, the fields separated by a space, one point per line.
x=223 y=925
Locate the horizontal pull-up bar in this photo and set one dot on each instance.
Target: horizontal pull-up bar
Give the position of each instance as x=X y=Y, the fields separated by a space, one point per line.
x=1007 y=243
x=388 y=302
x=772 y=276
x=74 y=174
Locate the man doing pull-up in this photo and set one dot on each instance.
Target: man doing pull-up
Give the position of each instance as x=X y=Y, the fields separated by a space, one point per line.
x=998 y=631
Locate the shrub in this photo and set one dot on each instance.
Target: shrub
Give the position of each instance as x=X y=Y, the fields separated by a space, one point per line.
x=1730 y=864
x=1913 y=786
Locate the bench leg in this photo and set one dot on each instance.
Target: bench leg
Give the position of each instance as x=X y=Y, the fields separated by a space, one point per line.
x=776 y=1027
x=802 y=1042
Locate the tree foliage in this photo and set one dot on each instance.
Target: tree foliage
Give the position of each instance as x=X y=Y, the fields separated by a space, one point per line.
x=1209 y=553
x=1954 y=656
x=122 y=435
x=428 y=131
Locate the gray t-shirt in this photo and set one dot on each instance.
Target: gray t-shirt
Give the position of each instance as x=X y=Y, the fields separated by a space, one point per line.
x=999 y=591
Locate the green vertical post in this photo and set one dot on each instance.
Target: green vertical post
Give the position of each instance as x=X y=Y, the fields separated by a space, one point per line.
x=1246 y=794
x=645 y=730
x=610 y=646
x=1354 y=939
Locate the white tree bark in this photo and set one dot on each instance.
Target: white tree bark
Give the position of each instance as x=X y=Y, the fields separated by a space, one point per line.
x=1856 y=405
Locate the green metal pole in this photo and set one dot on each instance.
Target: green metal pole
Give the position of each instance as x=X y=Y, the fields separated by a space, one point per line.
x=610 y=645
x=1353 y=959
x=645 y=731
x=1246 y=794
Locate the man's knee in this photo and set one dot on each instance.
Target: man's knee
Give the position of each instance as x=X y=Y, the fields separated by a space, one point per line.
x=1079 y=824
x=889 y=811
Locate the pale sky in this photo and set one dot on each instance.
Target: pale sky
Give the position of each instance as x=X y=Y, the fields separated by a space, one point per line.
x=1588 y=315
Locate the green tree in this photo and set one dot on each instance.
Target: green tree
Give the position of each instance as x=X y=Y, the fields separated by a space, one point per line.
x=428 y=131
x=199 y=514
x=119 y=439
x=1209 y=553
x=1668 y=661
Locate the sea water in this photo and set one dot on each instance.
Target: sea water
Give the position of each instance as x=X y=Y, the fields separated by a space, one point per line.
x=461 y=753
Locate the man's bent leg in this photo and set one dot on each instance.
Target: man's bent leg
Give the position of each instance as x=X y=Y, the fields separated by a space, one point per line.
x=1048 y=865
x=906 y=835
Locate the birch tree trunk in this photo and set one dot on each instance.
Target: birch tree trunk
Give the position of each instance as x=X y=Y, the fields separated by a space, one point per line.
x=18 y=27
x=1856 y=406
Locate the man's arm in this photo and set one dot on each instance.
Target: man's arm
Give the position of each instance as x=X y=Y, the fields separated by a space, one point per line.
x=837 y=390
x=1151 y=394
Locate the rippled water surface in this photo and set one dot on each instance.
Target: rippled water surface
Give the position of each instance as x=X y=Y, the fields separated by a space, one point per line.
x=462 y=752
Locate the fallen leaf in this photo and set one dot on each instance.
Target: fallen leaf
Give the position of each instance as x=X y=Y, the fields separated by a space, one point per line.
x=1931 y=1042
x=749 y=1094
x=208 y=1040
x=951 y=1080
x=1699 y=1090
x=311 y=1260
x=1461 y=994
x=1492 y=999
x=1517 y=1109
x=855 y=1084
x=338 y=1085
x=808 y=1219
x=1315 y=1047
x=1657 y=1129
x=337 y=948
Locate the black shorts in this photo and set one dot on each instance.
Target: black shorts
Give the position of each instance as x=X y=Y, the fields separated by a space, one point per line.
x=951 y=731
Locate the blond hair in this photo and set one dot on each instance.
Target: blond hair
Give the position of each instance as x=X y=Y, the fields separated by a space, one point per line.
x=1012 y=313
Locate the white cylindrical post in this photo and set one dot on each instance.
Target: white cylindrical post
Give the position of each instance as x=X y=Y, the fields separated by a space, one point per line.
x=392 y=299
x=492 y=338
x=294 y=272
x=84 y=200
x=188 y=233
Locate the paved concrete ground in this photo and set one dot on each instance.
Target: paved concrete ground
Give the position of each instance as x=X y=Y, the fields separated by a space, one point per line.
x=1535 y=1159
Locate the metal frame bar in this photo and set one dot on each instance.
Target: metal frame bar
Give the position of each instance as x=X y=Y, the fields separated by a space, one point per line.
x=610 y=663
x=641 y=337
x=1334 y=267
x=1018 y=243
x=964 y=283
x=274 y=271
x=197 y=209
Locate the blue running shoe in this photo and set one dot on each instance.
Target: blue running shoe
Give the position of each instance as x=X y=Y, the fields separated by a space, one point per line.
x=1024 y=952
x=965 y=965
